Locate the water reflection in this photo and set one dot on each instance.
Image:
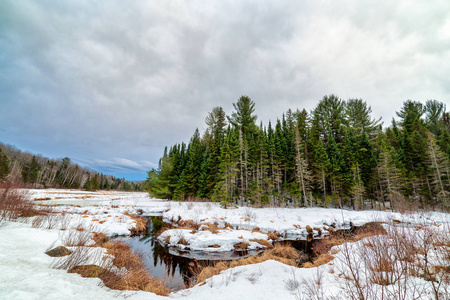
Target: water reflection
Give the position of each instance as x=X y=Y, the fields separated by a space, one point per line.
x=176 y=267
x=174 y=270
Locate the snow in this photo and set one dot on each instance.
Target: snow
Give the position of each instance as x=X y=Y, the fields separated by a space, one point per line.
x=291 y=223
x=204 y=240
x=26 y=271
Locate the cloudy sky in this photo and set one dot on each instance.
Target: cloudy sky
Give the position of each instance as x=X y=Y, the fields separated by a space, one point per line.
x=110 y=83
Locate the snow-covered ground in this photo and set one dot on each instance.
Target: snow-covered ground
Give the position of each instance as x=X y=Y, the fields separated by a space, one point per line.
x=26 y=272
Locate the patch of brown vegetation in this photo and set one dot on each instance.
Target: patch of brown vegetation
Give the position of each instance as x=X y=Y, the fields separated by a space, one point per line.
x=41 y=199
x=273 y=235
x=241 y=246
x=188 y=224
x=210 y=227
x=228 y=225
x=321 y=260
x=99 y=238
x=137 y=277
x=141 y=225
x=214 y=246
x=256 y=229
x=324 y=245
x=182 y=241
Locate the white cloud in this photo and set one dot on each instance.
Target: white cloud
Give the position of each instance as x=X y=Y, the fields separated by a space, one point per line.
x=124 y=79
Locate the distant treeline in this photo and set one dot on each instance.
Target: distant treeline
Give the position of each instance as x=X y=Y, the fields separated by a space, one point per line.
x=337 y=154
x=31 y=170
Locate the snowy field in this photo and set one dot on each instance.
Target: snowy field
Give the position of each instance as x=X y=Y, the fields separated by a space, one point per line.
x=26 y=272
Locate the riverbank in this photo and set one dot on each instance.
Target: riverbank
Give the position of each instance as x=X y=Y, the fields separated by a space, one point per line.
x=26 y=271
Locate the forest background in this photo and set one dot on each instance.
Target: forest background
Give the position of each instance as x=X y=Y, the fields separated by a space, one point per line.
x=337 y=155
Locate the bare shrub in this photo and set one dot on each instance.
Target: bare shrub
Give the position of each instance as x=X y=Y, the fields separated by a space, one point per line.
x=13 y=204
x=73 y=237
x=79 y=256
x=38 y=221
x=314 y=288
x=292 y=284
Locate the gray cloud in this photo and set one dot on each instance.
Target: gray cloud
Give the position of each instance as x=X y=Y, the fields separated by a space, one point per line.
x=98 y=81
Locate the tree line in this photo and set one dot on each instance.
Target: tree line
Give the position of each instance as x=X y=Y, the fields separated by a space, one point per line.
x=26 y=169
x=336 y=155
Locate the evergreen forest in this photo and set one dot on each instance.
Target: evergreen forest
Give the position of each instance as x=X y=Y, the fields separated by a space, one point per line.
x=337 y=155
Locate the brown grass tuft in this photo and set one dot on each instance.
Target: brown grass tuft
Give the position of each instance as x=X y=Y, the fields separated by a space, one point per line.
x=273 y=235
x=99 y=238
x=210 y=227
x=241 y=246
x=182 y=241
x=141 y=225
x=321 y=260
x=324 y=245
x=137 y=277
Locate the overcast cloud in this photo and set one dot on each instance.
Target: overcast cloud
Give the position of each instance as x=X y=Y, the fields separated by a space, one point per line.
x=110 y=83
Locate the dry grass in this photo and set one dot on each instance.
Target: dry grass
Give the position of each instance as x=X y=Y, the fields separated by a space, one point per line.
x=141 y=225
x=273 y=235
x=100 y=238
x=213 y=228
x=13 y=204
x=241 y=246
x=127 y=271
x=182 y=241
x=324 y=245
x=321 y=260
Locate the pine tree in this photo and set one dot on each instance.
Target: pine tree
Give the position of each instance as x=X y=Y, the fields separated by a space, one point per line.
x=328 y=117
x=389 y=176
x=224 y=190
x=336 y=164
x=358 y=189
x=158 y=182
x=358 y=117
x=322 y=165
x=302 y=169
x=439 y=166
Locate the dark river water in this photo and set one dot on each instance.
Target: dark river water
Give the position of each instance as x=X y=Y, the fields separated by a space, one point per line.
x=175 y=268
